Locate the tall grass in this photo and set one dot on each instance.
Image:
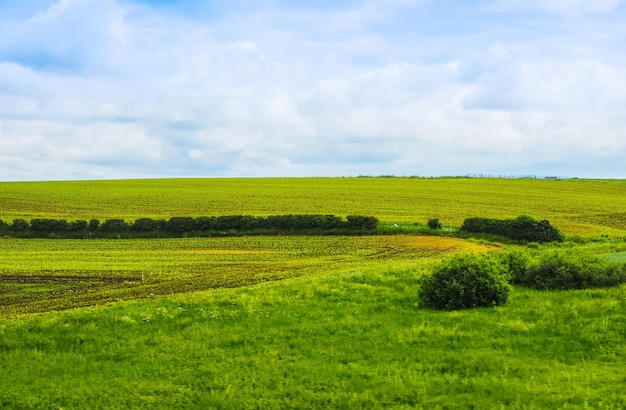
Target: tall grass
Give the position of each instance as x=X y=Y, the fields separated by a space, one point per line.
x=353 y=340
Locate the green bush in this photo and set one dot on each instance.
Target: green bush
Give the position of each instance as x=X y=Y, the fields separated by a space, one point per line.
x=93 y=225
x=466 y=281
x=569 y=270
x=523 y=229
x=434 y=224
x=20 y=225
x=144 y=225
x=515 y=263
x=114 y=226
x=180 y=224
x=78 y=226
x=358 y=222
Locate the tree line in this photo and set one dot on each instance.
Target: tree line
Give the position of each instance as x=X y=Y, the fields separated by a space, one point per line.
x=188 y=226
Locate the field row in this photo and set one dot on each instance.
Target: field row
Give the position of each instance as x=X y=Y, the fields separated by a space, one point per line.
x=581 y=207
x=40 y=274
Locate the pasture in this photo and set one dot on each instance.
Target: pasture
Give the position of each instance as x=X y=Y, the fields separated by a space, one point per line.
x=301 y=321
x=352 y=339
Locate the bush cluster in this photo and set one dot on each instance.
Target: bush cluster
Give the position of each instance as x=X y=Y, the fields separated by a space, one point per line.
x=434 y=224
x=568 y=270
x=468 y=281
x=183 y=225
x=523 y=228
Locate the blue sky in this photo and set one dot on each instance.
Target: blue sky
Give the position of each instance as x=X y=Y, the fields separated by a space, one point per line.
x=99 y=89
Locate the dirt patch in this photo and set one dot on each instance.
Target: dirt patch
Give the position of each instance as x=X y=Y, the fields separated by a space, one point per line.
x=65 y=279
x=442 y=244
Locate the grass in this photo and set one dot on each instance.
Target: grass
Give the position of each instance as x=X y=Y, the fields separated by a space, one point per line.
x=356 y=339
x=617 y=257
x=576 y=207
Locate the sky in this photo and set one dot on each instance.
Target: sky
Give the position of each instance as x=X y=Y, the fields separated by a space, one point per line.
x=109 y=89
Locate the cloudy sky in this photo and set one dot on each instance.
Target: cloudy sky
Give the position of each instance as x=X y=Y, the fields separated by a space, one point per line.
x=102 y=89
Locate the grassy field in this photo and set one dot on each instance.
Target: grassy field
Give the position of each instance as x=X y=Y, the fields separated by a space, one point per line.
x=301 y=321
x=355 y=339
x=577 y=207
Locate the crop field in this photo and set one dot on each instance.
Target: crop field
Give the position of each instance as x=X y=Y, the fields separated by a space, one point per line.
x=297 y=321
x=577 y=207
x=44 y=274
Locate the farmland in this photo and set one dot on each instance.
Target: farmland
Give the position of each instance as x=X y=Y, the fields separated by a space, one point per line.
x=40 y=274
x=577 y=207
x=294 y=321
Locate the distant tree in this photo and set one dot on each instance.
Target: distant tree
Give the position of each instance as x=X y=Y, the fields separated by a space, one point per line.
x=206 y=223
x=20 y=225
x=49 y=225
x=180 y=224
x=144 y=225
x=434 y=224
x=356 y=222
x=78 y=225
x=93 y=225
x=42 y=225
x=114 y=226
x=236 y=222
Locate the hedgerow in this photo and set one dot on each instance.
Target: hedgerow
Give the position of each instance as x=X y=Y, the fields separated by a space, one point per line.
x=523 y=229
x=569 y=270
x=190 y=226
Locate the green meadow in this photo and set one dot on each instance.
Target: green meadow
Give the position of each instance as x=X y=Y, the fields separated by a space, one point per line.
x=295 y=321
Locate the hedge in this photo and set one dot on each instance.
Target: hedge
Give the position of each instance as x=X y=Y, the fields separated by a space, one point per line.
x=523 y=229
x=186 y=225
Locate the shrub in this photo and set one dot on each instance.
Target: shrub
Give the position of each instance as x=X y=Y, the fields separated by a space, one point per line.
x=523 y=228
x=236 y=222
x=144 y=225
x=206 y=223
x=49 y=225
x=465 y=281
x=328 y=221
x=20 y=225
x=180 y=224
x=114 y=226
x=357 y=222
x=566 y=270
x=515 y=263
x=78 y=226
x=93 y=225
x=434 y=224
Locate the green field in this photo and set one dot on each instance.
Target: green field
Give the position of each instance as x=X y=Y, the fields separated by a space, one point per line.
x=44 y=274
x=577 y=207
x=346 y=340
x=301 y=321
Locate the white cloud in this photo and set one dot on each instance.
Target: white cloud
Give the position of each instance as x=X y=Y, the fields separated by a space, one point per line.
x=136 y=91
x=567 y=7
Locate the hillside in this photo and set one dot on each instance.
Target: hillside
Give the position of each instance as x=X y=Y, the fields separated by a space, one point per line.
x=577 y=207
